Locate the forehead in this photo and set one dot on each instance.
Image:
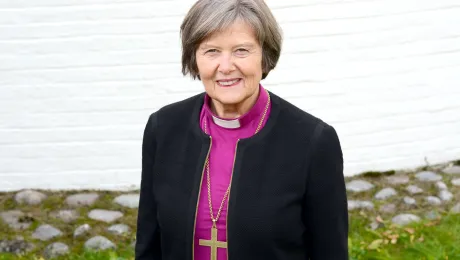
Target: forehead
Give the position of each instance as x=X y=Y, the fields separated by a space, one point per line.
x=235 y=32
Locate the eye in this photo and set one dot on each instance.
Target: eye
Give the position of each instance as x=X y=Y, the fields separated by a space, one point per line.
x=211 y=51
x=241 y=50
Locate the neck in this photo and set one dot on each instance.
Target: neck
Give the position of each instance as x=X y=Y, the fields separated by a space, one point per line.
x=231 y=111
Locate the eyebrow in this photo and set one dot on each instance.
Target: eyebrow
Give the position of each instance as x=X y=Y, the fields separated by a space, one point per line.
x=246 y=44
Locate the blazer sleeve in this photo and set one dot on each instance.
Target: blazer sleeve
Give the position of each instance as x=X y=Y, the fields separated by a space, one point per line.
x=148 y=245
x=326 y=213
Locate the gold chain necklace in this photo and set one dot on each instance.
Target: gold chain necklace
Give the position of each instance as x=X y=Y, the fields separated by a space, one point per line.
x=214 y=220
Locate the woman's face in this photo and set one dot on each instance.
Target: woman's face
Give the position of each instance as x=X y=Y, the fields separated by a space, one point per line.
x=230 y=64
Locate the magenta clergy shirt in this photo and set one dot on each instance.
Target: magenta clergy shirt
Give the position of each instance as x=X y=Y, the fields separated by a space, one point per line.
x=221 y=159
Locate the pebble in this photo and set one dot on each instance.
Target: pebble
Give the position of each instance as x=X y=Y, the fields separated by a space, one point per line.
x=432 y=200
x=82 y=199
x=360 y=204
x=359 y=186
x=65 y=215
x=29 y=197
x=107 y=216
x=427 y=176
x=432 y=215
x=16 y=219
x=405 y=219
x=446 y=195
x=81 y=230
x=456 y=182
x=55 y=250
x=388 y=208
x=17 y=246
x=441 y=185
x=46 y=232
x=118 y=229
x=454 y=169
x=128 y=200
x=412 y=189
x=397 y=179
x=410 y=201
x=385 y=193
x=455 y=209
x=99 y=243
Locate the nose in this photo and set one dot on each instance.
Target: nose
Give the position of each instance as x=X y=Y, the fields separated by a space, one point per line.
x=226 y=64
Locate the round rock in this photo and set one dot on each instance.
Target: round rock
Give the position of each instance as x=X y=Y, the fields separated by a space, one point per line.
x=83 y=199
x=454 y=169
x=359 y=204
x=446 y=195
x=29 y=197
x=107 y=216
x=46 y=232
x=388 y=208
x=55 y=250
x=128 y=200
x=118 y=229
x=431 y=215
x=65 y=215
x=397 y=179
x=456 y=182
x=412 y=189
x=427 y=176
x=16 y=219
x=441 y=185
x=17 y=246
x=455 y=209
x=99 y=243
x=405 y=219
x=432 y=200
x=359 y=186
x=81 y=230
x=385 y=194
x=409 y=201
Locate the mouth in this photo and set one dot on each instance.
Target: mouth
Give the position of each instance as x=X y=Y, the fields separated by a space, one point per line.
x=228 y=82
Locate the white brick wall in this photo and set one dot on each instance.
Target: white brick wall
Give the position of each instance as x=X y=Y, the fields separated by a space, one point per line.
x=78 y=79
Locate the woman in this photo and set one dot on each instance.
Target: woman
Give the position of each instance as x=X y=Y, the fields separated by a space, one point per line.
x=237 y=172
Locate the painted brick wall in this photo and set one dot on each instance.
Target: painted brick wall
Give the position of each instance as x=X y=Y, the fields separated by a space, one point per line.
x=79 y=78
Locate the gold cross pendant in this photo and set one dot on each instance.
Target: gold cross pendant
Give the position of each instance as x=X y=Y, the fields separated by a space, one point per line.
x=213 y=243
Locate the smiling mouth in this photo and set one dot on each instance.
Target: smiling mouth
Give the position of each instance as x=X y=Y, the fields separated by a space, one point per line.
x=228 y=83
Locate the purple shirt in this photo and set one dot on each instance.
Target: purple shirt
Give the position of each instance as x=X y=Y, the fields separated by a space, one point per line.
x=221 y=160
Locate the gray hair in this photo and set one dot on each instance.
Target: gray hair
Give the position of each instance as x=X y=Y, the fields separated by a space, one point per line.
x=208 y=16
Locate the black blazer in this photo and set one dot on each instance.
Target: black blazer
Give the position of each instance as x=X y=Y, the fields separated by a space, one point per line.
x=287 y=199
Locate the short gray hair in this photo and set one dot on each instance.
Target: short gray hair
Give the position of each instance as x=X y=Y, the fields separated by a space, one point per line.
x=208 y=16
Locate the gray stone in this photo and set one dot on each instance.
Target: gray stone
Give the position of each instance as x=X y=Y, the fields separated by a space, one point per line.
x=441 y=185
x=119 y=229
x=99 y=243
x=388 y=208
x=65 y=215
x=128 y=200
x=432 y=215
x=409 y=201
x=446 y=195
x=17 y=246
x=412 y=189
x=16 y=219
x=427 y=176
x=29 y=197
x=432 y=200
x=359 y=186
x=376 y=225
x=397 y=179
x=456 y=182
x=359 y=204
x=81 y=230
x=83 y=199
x=107 y=216
x=46 y=232
x=455 y=209
x=55 y=250
x=454 y=169
x=405 y=219
x=385 y=194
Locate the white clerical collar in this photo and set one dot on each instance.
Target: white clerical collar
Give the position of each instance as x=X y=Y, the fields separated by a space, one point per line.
x=232 y=123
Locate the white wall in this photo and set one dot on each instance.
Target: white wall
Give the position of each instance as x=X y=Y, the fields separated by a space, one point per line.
x=78 y=79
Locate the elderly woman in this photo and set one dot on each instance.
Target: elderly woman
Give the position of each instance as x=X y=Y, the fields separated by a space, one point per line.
x=237 y=172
